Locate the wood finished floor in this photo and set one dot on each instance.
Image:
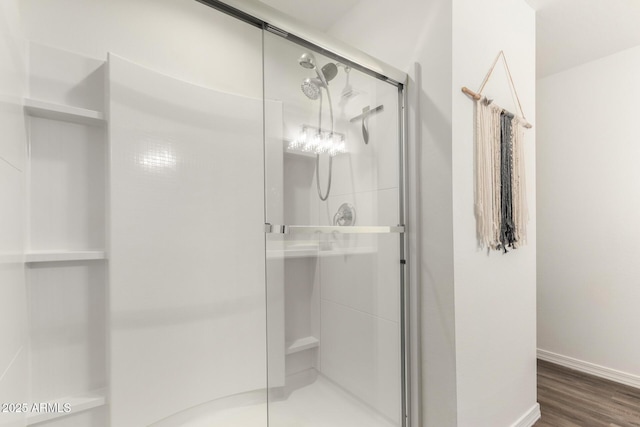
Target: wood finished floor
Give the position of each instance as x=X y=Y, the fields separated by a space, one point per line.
x=573 y=399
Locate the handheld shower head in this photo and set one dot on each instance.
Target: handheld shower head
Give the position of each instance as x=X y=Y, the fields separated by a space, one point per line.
x=308 y=61
x=311 y=88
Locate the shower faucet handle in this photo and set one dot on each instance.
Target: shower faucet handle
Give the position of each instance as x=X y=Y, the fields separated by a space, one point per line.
x=345 y=216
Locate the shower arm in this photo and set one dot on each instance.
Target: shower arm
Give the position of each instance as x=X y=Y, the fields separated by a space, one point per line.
x=345 y=66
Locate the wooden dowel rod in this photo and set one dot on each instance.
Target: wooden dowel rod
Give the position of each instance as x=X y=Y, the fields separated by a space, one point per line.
x=471 y=93
x=477 y=97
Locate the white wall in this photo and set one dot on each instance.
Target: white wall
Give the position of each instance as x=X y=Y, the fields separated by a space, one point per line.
x=495 y=295
x=182 y=39
x=478 y=353
x=13 y=348
x=589 y=235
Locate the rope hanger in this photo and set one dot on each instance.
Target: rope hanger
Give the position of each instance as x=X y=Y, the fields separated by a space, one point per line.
x=478 y=95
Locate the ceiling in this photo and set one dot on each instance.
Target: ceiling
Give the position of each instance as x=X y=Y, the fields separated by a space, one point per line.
x=321 y=14
x=573 y=32
x=569 y=32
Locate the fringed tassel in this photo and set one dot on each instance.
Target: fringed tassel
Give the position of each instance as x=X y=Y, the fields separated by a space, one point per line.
x=500 y=203
x=487 y=218
x=497 y=182
x=507 y=229
x=521 y=210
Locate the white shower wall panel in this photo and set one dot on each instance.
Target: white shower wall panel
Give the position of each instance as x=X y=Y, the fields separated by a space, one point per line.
x=373 y=165
x=62 y=77
x=360 y=291
x=366 y=282
x=359 y=352
x=13 y=306
x=13 y=301
x=186 y=245
x=378 y=207
x=183 y=39
x=67 y=323
x=67 y=207
x=299 y=203
x=13 y=160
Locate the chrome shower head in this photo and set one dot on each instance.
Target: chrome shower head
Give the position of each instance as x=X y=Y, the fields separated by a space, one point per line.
x=311 y=88
x=307 y=60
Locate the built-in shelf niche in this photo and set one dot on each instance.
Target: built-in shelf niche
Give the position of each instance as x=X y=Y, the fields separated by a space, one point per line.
x=63 y=256
x=67 y=113
x=302 y=344
x=66 y=239
x=67 y=163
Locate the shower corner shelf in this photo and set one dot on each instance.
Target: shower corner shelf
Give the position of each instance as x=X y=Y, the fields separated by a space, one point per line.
x=59 y=256
x=67 y=113
x=309 y=155
x=302 y=344
x=79 y=403
x=296 y=153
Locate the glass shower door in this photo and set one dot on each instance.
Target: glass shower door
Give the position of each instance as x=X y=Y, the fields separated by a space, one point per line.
x=333 y=259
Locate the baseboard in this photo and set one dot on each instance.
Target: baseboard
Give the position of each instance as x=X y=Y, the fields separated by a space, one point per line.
x=590 y=368
x=530 y=418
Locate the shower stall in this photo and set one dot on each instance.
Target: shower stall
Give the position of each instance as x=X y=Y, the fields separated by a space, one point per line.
x=334 y=239
x=250 y=246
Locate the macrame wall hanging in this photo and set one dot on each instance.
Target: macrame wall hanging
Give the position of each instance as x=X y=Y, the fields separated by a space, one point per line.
x=500 y=181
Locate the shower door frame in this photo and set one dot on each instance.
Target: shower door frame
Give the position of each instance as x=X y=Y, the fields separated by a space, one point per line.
x=266 y=19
